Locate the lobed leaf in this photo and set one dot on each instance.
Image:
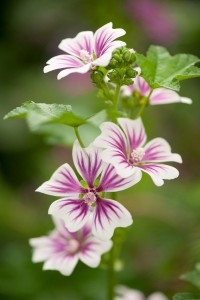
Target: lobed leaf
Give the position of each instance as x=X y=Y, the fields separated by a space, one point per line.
x=160 y=69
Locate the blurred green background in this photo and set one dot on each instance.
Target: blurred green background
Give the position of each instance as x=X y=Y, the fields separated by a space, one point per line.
x=165 y=239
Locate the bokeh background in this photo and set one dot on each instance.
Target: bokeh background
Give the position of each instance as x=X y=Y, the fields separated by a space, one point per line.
x=165 y=239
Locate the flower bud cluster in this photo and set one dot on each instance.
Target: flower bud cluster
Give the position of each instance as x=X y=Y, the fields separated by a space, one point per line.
x=120 y=68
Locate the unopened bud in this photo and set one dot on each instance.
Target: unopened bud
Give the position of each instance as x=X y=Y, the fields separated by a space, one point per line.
x=128 y=81
x=130 y=72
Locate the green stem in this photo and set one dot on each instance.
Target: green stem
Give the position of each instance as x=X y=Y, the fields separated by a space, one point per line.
x=111 y=269
x=78 y=137
x=115 y=101
x=111 y=274
x=143 y=105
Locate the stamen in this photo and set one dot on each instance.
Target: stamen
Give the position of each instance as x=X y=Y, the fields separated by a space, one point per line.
x=137 y=154
x=85 y=56
x=89 y=198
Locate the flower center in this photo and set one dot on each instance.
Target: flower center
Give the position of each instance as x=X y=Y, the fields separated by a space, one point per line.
x=89 y=198
x=73 y=246
x=137 y=155
x=85 y=56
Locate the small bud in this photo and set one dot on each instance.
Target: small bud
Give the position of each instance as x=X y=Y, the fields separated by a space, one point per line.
x=128 y=81
x=117 y=57
x=130 y=72
x=133 y=58
x=97 y=77
x=127 y=56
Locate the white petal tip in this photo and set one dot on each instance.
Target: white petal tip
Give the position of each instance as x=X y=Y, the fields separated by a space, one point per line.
x=186 y=100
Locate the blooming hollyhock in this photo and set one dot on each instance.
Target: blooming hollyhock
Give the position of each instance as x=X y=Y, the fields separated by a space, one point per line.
x=158 y=96
x=86 y=198
x=62 y=249
x=126 y=150
x=86 y=50
x=125 y=293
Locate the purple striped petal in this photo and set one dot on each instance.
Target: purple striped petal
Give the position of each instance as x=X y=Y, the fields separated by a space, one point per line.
x=88 y=162
x=142 y=86
x=64 y=263
x=111 y=182
x=119 y=161
x=62 y=183
x=158 y=150
x=62 y=62
x=104 y=36
x=82 y=41
x=111 y=137
x=165 y=96
x=92 y=250
x=69 y=63
x=135 y=132
x=43 y=248
x=105 y=58
x=158 y=172
x=74 y=212
x=108 y=215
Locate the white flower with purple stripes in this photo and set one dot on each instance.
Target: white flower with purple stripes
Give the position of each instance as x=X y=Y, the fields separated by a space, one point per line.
x=86 y=198
x=125 y=149
x=141 y=89
x=61 y=249
x=86 y=50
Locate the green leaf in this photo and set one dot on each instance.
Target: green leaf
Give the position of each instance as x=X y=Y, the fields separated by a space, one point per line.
x=185 y=296
x=38 y=114
x=160 y=69
x=193 y=276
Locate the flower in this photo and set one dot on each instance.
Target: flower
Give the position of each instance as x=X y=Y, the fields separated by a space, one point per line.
x=87 y=198
x=86 y=50
x=158 y=95
x=61 y=249
x=125 y=150
x=125 y=293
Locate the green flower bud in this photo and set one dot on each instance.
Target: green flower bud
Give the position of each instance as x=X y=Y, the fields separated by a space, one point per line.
x=128 y=81
x=130 y=72
x=97 y=77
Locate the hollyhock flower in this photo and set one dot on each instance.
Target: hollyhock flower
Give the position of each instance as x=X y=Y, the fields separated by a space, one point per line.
x=140 y=89
x=86 y=50
x=125 y=149
x=87 y=198
x=61 y=249
x=125 y=293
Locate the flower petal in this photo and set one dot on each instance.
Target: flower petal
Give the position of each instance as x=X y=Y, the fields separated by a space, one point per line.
x=62 y=183
x=119 y=160
x=108 y=215
x=62 y=62
x=111 y=137
x=92 y=250
x=142 y=86
x=82 y=70
x=104 y=36
x=165 y=96
x=159 y=150
x=111 y=182
x=63 y=263
x=135 y=132
x=105 y=58
x=42 y=248
x=74 y=212
x=87 y=161
x=158 y=172
x=82 y=41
